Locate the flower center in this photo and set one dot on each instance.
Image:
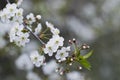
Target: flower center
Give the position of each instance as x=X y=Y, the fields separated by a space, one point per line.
x=57 y=42
x=19 y=14
x=35 y=59
x=50 y=48
x=23 y=38
x=11 y=10
x=61 y=54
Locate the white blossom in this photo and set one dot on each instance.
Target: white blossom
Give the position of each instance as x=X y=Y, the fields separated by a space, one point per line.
x=31 y=18
x=18 y=16
x=16 y=35
x=37 y=59
x=75 y=76
x=38 y=29
x=53 y=44
x=58 y=41
x=11 y=14
x=24 y=63
x=2 y=42
x=50 y=48
x=22 y=39
x=62 y=54
x=15 y=30
x=54 y=31
x=4 y=15
x=50 y=25
x=11 y=8
x=32 y=76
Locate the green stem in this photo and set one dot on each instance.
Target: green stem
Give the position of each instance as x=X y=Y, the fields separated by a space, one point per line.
x=45 y=30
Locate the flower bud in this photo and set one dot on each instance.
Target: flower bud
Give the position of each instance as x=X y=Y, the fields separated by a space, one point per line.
x=85 y=46
x=71 y=59
x=38 y=17
x=70 y=64
x=70 y=42
x=61 y=73
x=79 y=67
x=74 y=40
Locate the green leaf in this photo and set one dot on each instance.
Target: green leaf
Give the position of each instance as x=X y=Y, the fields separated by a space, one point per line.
x=85 y=64
x=88 y=54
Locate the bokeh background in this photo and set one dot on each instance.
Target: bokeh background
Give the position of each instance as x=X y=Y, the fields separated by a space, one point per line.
x=96 y=22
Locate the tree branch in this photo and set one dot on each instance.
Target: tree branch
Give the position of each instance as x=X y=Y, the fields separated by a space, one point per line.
x=8 y=1
x=34 y=34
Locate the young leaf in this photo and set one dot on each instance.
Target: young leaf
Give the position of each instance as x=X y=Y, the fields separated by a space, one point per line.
x=85 y=64
x=88 y=55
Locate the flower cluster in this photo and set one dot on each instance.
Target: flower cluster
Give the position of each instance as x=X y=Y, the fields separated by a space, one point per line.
x=12 y=14
x=53 y=44
x=18 y=36
x=21 y=29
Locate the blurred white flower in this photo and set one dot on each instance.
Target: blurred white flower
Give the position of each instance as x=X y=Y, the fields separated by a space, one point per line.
x=24 y=63
x=89 y=10
x=50 y=67
x=32 y=76
x=4 y=29
x=83 y=31
x=36 y=58
x=75 y=76
x=62 y=54
x=31 y=18
x=38 y=29
x=55 y=76
x=109 y=6
x=2 y=42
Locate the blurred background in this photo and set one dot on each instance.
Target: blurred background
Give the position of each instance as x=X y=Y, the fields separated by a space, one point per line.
x=95 y=22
